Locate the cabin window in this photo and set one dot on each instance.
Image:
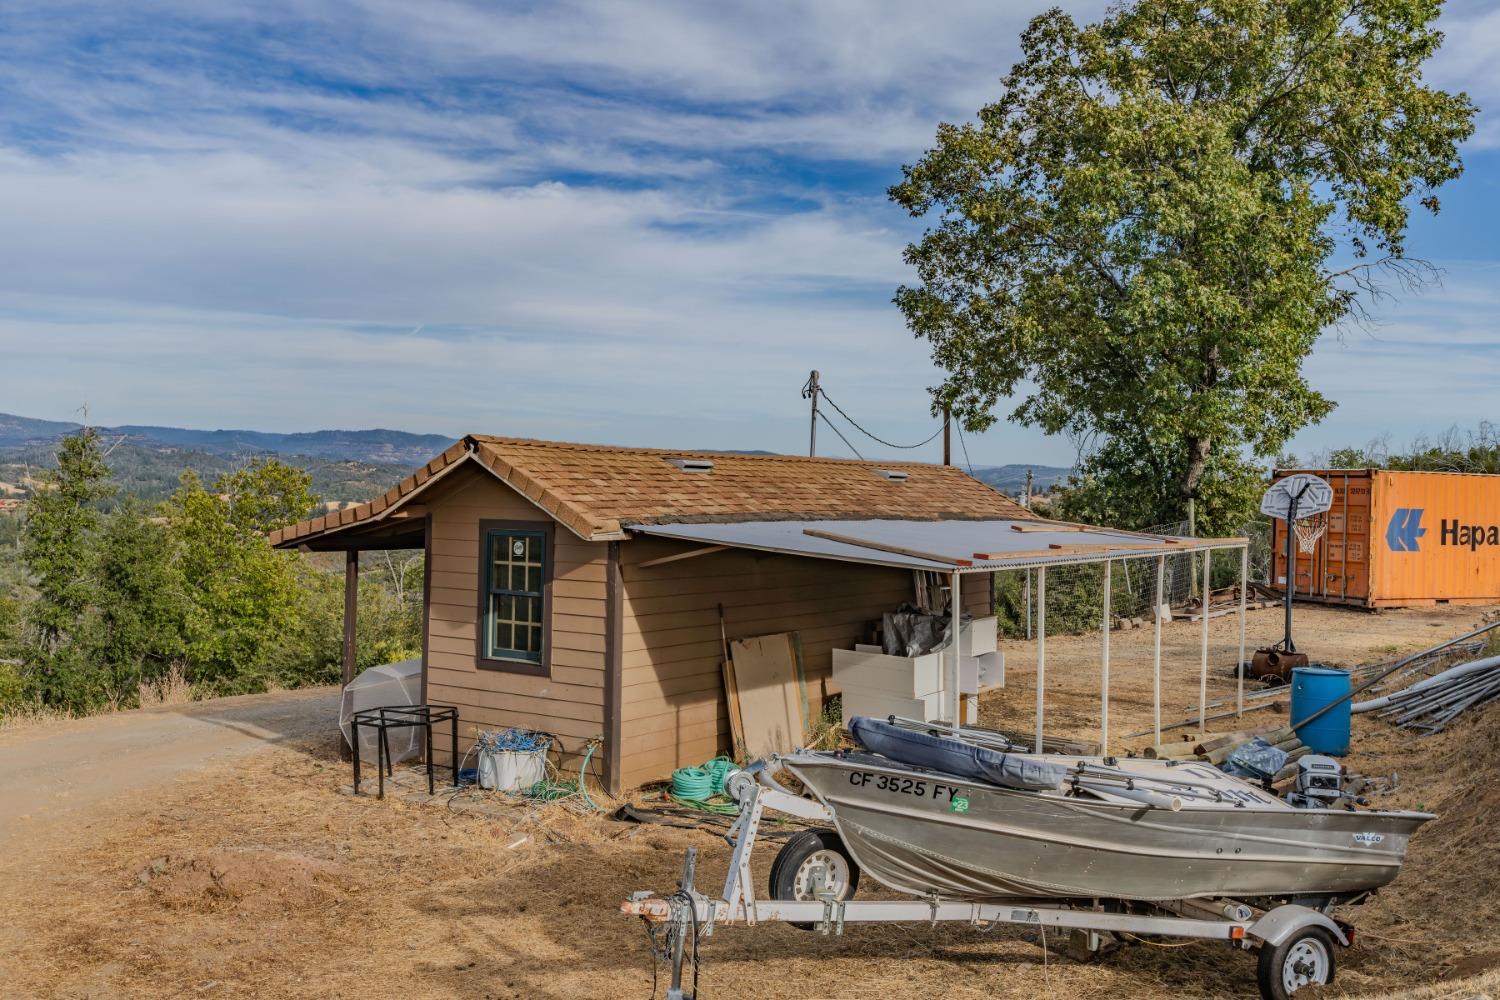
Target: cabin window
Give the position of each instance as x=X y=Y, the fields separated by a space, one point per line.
x=513 y=625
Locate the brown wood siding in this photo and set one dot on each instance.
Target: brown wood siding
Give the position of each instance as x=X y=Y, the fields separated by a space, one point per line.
x=568 y=703
x=672 y=699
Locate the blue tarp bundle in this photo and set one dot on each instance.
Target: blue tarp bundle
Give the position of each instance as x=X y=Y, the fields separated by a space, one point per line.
x=522 y=740
x=955 y=757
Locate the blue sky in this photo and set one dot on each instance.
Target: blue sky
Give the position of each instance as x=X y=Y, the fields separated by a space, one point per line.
x=629 y=223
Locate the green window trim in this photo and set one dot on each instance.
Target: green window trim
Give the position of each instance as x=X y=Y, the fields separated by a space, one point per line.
x=516 y=573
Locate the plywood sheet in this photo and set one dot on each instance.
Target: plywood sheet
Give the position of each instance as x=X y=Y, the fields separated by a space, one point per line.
x=769 y=686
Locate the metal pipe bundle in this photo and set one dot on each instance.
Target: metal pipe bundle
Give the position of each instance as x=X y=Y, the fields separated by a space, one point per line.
x=1431 y=704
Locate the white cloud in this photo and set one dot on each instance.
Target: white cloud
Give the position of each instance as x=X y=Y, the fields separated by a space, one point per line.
x=609 y=221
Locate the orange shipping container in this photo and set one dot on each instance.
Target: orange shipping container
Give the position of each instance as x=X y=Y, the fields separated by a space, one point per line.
x=1400 y=538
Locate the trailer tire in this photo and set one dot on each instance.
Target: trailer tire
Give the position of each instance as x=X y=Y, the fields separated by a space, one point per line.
x=1304 y=958
x=797 y=859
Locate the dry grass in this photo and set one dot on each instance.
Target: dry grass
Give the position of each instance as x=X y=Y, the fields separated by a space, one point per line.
x=172 y=689
x=30 y=714
x=262 y=881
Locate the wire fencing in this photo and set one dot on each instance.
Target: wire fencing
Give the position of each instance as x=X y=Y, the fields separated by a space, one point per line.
x=1074 y=592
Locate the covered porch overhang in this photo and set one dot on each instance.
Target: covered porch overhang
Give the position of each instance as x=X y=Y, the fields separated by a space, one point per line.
x=958 y=548
x=405 y=528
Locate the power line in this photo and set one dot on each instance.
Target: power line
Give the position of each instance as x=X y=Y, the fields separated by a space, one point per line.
x=840 y=433
x=965 y=447
x=872 y=437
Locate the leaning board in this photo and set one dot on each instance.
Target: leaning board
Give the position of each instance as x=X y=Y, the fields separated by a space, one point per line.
x=770 y=689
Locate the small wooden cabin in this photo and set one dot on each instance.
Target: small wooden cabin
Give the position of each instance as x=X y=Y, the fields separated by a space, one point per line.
x=550 y=605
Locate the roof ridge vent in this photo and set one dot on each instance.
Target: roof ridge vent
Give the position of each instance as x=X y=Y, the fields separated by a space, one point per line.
x=692 y=464
x=894 y=475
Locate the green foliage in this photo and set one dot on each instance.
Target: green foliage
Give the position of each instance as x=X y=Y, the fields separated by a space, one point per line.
x=57 y=549
x=144 y=603
x=1141 y=232
x=151 y=472
x=1138 y=490
x=102 y=599
x=1476 y=451
x=1075 y=599
x=266 y=495
x=12 y=686
x=243 y=592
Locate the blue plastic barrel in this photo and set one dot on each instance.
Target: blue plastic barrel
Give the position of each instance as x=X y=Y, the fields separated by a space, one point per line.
x=1312 y=688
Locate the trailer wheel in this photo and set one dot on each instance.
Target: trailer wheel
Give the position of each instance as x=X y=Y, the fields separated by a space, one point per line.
x=795 y=872
x=1303 y=959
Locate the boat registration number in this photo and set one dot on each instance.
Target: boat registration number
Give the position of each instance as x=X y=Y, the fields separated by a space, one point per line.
x=917 y=787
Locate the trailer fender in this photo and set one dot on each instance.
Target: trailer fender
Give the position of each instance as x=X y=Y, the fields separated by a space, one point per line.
x=1284 y=921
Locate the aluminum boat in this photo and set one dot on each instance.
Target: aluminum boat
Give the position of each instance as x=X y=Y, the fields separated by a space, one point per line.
x=946 y=817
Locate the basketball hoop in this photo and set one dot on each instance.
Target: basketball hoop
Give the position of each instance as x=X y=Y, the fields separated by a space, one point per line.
x=1308 y=530
x=1301 y=500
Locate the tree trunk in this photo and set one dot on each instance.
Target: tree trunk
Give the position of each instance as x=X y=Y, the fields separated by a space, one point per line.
x=1198 y=449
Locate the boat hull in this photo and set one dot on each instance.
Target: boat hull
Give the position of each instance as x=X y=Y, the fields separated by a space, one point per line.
x=921 y=833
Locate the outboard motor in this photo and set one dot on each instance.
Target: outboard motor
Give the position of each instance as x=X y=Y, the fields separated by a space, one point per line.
x=1320 y=783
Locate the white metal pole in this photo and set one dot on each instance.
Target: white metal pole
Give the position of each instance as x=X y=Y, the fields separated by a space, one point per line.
x=1041 y=650
x=1028 y=604
x=955 y=699
x=1104 y=663
x=1239 y=670
x=1203 y=652
x=1161 y=572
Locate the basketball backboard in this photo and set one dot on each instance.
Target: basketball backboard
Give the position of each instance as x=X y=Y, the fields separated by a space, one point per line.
x=1313 y=495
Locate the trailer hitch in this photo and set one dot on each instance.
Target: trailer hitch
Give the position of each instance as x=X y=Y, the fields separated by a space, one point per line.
x=679 y=913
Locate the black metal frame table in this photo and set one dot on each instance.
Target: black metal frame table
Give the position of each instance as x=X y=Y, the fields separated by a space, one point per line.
x=389 y=717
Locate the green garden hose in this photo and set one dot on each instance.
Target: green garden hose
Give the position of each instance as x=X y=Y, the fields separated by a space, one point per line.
x=718 y=769
x=694 y=783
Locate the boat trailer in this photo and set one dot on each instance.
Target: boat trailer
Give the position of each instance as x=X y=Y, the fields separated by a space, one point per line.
x=1295 y=942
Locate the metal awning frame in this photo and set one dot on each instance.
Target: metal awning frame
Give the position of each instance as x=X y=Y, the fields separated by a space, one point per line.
x=879 y=553
x=846 y=541
x=1108 y=559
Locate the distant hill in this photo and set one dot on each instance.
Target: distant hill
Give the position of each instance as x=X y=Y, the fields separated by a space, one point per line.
x=147 y=461
x=1011 y=479
x=345 y=465
x=380 y=447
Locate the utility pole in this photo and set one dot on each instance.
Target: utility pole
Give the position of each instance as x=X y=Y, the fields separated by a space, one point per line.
x=810 y=391
x=1026 y=497
x=947 y=426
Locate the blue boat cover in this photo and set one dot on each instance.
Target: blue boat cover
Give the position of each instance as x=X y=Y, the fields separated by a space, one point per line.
x=956 y=757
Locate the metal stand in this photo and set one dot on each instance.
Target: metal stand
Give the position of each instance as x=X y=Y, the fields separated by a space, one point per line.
x=383 y=720
x=1287 y=645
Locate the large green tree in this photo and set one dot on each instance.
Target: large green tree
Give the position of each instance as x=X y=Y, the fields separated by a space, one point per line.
x=58 y=546
x=59 y=549
x=1148 y=231
x=143 y=604
x=245 y=597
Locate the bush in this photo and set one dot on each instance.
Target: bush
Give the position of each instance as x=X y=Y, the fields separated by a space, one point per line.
x=12 y=687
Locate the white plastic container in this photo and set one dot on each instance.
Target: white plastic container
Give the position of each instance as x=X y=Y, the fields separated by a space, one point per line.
x=511 y=770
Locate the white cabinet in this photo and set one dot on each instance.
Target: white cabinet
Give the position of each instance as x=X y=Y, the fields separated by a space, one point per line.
x=878 y=685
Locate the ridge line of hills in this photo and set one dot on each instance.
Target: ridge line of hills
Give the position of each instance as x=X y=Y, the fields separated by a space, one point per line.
x=345 y=464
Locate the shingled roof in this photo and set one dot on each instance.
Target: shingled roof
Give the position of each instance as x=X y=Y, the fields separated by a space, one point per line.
x=598 y=491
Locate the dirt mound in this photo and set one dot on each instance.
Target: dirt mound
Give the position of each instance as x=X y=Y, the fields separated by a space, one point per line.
x=250 y=879
x=1437 y=919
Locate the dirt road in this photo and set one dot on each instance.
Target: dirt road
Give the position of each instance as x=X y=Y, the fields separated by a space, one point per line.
x=65 y=771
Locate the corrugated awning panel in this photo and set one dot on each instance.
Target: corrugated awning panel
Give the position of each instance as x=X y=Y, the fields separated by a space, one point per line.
x=940 y=546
